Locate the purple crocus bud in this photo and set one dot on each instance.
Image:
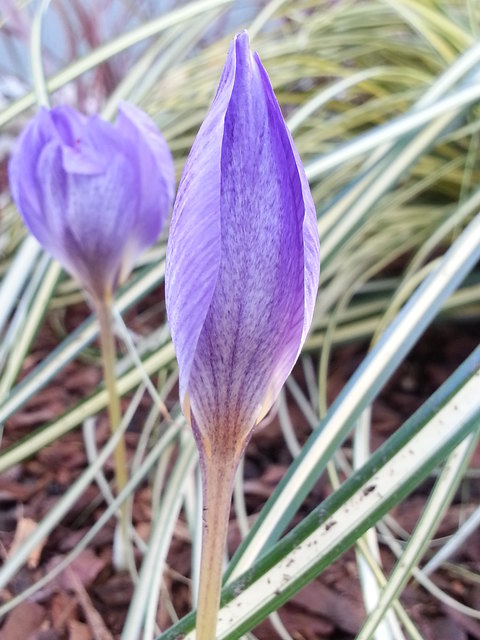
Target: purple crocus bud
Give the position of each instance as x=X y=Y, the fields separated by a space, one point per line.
x=243 y=258
x=95 y=195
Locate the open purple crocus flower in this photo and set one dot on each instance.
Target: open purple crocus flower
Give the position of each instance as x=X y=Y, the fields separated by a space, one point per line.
x=95 y=195
x=242 y=270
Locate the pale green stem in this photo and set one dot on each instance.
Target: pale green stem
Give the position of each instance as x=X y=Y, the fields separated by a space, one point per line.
x=218 y=474
x=107 y=342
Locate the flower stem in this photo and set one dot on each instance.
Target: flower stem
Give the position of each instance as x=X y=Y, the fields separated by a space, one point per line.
x=107 y=342
x=217 y=478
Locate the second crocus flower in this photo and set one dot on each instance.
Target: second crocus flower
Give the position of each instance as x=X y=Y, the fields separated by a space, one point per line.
x=95 y=195
x=241 y=280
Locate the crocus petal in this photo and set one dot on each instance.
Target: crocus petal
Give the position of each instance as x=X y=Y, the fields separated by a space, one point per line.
x=240 y=300
x=194 y=246
x=142 y=131
x=311 y=244
x=117 y=187
x=24 y=183
x=81 y=186
x=69 y=124
x=156 y=191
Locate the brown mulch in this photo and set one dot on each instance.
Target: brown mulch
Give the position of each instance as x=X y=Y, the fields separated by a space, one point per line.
x=89 y=600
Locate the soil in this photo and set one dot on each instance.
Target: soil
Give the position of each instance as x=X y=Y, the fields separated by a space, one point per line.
x=90 y=599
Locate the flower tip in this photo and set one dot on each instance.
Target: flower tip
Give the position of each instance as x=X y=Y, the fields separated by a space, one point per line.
x=243 y=36
x=129 y=110
x=242 y=44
